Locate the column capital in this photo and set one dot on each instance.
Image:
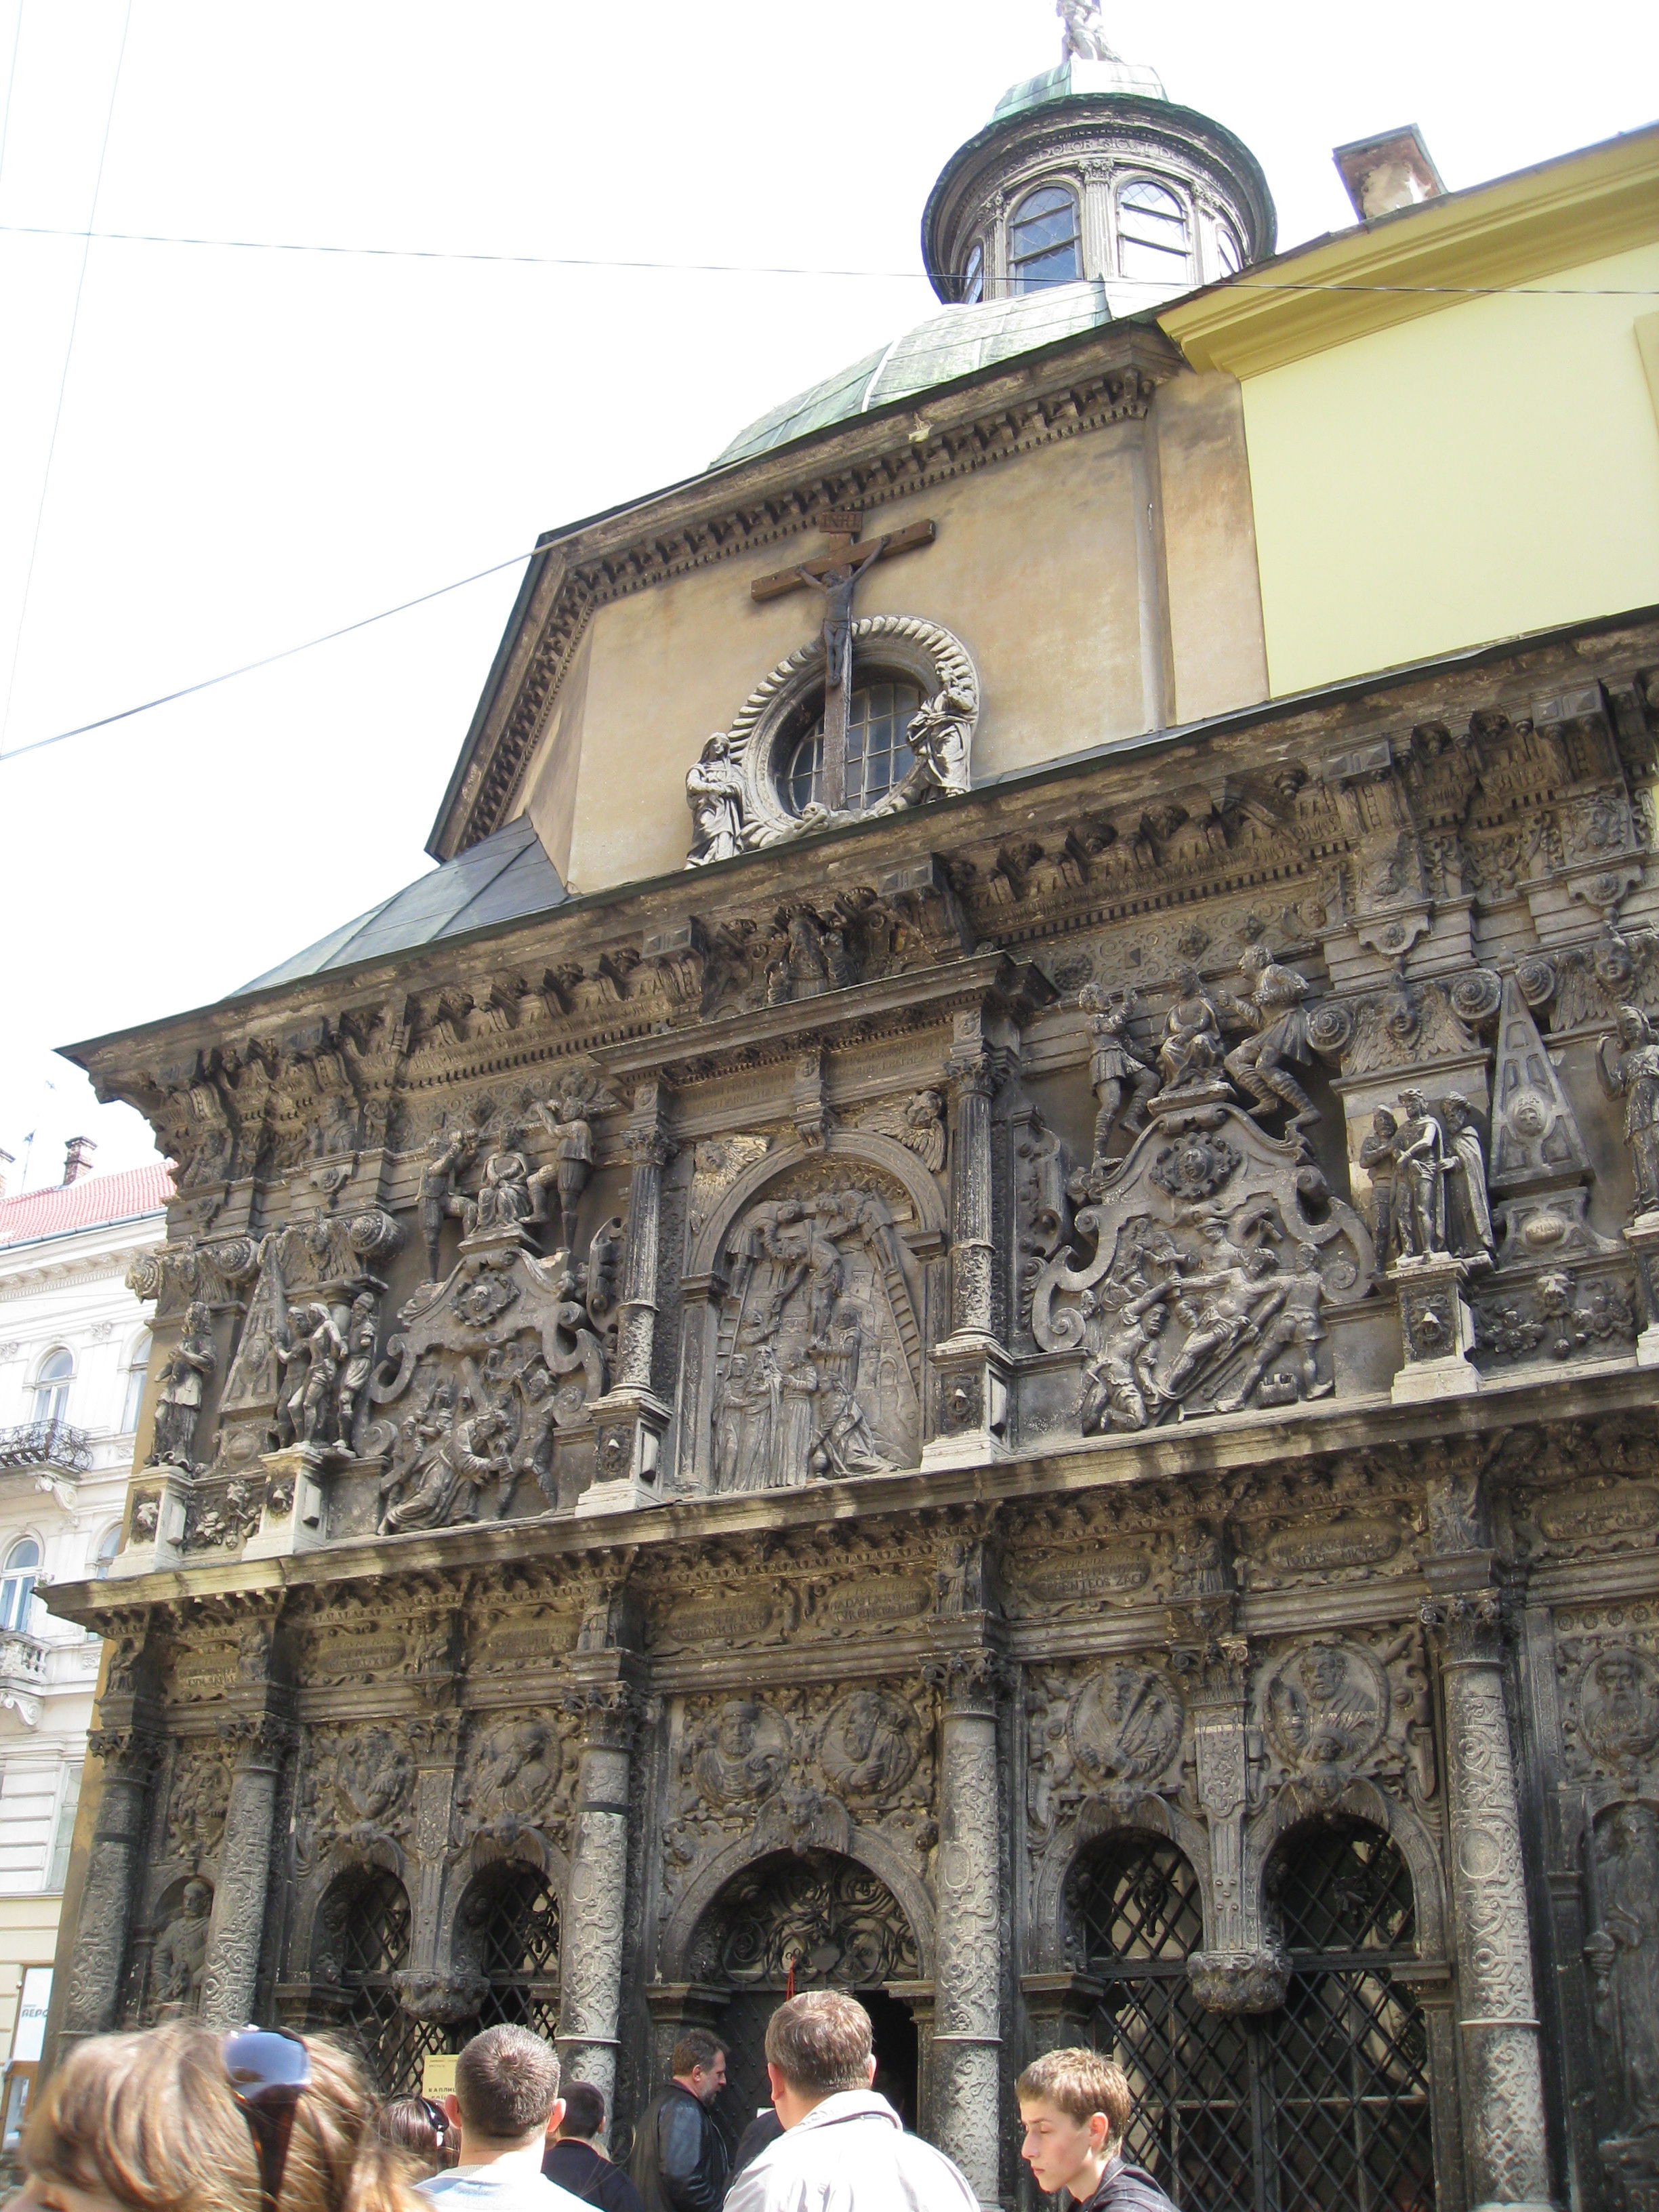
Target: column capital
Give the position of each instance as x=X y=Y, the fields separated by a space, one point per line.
x=969 y=1682
x=258 y=1738
x=128 y=1752
x=1465 y=1627
x=609 y=1713
x=648 y=1146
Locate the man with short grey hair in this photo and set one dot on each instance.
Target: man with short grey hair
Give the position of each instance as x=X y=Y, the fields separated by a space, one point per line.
x=843 y=2148
x=507 y=2098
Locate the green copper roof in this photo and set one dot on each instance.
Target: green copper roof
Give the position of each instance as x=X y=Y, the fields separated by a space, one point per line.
x=953 y=344
x=1080 y=79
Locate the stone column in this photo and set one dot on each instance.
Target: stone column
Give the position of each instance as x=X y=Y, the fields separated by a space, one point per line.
x=1497 y=2025
x=969 y=1407
x=131 y=1758
x=595 y=1905
x=967 y=2042
x=630 y=1417
x=230 y=1975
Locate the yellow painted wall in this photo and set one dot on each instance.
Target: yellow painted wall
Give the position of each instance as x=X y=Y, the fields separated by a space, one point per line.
x=1476 y=473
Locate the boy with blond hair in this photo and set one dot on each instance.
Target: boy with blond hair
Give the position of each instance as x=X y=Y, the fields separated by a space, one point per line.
x=1074 y=2108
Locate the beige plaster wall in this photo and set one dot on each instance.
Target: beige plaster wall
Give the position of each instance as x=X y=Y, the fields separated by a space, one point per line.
x=1049 y=567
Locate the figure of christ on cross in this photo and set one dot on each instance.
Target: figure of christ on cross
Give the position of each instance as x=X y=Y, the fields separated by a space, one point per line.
x=837 y=573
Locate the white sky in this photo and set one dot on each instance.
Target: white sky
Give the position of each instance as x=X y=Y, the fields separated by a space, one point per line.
x=255 y=447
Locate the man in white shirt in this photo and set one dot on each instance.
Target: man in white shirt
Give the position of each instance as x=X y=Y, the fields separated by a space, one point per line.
x=507 y=2098
x=843 y=2149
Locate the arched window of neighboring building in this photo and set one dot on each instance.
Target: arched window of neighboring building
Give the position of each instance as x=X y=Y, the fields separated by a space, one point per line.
x=108 y=1545
x=137 y=1374
x=1228 y=251
x=17 y=1584
x=1154 y=235
x=973 y=276
x=51 y=1385
x=878 y=755
x=1044 y=245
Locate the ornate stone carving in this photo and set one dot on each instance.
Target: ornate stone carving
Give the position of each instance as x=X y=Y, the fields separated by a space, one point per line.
x=1215 y=1227
x=1622 y=1953
x=741 y=1756
x=177 y=1962
x=1118 y=1074
x=356 y=1788
x=513 y=1779
x=1628 y=1058
x=1327 y=1709
x=1124 y=1728
x=197 y=1801
x=185 y=1375
x=1555 y=1316
x=868 y=1747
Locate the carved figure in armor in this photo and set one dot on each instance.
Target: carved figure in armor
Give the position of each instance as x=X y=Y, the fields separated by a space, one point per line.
x=713 y=791
x=1243 y=1293
x=1379 y=1156
x=1083 y=39
x=743 y=1757
x=1419 y=1214
x=451 y=1469
x=844 y=1445
x=567 y=1123
x=1629 y=1060
x=1466 y=1172
x=1295 y=1330
x=867 y=1750
x=1120 y=1389
x=1117 y=1069
x=504 y=1198
x=184 y=1380
x=1280 y=1021
x=940 y=736
x=326 y=1353
x=180 y=1952
x=1190 y=1049
x=437 y=1196
x=1627 y=1868
x=359 y=1365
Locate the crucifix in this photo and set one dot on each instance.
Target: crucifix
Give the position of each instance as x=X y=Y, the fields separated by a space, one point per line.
x=835 y=574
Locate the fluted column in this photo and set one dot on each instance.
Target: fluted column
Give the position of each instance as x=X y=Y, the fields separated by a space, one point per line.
x=1497 y=2022
x=968 y=1935
x=129 y=1757
x=230 y=1975
x=649 y=1152
x=591 y=1961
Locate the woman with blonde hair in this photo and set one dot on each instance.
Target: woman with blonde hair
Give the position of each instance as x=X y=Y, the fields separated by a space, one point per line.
x=181 y=2119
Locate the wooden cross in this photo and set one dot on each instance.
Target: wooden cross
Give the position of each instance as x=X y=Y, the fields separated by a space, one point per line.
x=835 y=574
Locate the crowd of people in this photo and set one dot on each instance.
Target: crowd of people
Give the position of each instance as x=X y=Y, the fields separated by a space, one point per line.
x=178 y=2118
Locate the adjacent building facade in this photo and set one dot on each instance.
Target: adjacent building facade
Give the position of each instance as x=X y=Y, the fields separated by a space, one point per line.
x=74 y=1353
x=989 y=1337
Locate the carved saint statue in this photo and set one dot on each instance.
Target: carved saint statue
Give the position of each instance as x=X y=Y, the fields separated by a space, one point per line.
x=713 y=791
x=1190 y=1050
x=1469 y=1213
x=566 y=1122
x=184 y=1380
x=866 y=1749
x=1083 y=39
x=180 y=1952
x=1420 y=1213
x=504 y=1198
x=437 y=1196
x=1624 y=1952
x=743 y=1757
x=940 y=736
x=1117 y=1069
x=1629 y=1060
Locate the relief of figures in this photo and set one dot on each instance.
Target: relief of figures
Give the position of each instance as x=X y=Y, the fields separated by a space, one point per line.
x=1429 y=1170
x=1623 y=1953
x=817 y=1335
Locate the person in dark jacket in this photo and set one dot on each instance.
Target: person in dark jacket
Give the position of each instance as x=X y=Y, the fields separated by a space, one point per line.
x=762 y=2132
x=575 y=2162
x=1074 y=2108
x=679 y=2162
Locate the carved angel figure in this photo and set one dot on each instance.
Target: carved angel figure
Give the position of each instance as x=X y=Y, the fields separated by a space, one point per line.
x=184 y=1380
x=713 y=791
x=940 y=736
x=1629 y=1060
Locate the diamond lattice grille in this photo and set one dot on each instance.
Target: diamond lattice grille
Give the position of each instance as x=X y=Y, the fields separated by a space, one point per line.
x=1322 y=2105
x=373 y=1923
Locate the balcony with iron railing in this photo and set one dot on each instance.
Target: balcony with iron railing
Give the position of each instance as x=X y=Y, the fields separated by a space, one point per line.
x=40 y=1444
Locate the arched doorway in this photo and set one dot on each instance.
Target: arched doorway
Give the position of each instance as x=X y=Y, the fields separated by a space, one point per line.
x=811 y=1920
x=1324 y=2102
x=364 y=1929
x=507 y=1930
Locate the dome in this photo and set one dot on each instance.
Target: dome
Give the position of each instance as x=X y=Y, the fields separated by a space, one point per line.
x=1089 y=195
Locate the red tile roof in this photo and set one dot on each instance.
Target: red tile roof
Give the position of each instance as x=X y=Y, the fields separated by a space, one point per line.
x=88 y=1204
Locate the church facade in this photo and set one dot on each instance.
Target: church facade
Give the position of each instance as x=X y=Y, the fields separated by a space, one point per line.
x=988 y=1337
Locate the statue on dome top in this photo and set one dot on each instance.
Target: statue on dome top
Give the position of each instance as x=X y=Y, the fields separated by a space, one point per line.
x=1083 y=39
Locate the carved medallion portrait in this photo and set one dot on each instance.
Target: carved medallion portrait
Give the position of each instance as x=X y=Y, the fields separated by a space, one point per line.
x=1327 y=1706
x=1618 y=1694
x=868 y=1748
x=742 y=1755
x=374 y=1775
x=1125 y=1724
x=516 y=1769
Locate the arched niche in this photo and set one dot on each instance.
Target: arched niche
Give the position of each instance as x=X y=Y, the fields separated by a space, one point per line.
x=868 y=1850
x=529 y=1848
x=504 y=1942
x=361 y=1937
x=1148 y=1817
x=1289 y=1812
x=808 y=1313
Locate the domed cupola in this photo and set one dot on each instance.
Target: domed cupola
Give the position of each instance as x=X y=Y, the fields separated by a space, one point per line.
x=1090 y=171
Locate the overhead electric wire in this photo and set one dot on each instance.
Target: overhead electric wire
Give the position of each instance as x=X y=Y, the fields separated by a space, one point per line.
x=1010 y=285
x=68 y=355
x=269 y=660
x=11 y=79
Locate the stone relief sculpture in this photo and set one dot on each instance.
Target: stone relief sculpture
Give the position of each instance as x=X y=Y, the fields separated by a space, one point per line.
x=713 y=791
x=1623 y=1955
x=566 y=1120
x=184 y=1377
x=448 y=1155
x=1435 y=1172
x=1628 y=1058
x=180 y=1954
x=1278 y=1020
x=452 y=1464
x=1118 y=1073
x=940 y=735
x=818 y=1355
